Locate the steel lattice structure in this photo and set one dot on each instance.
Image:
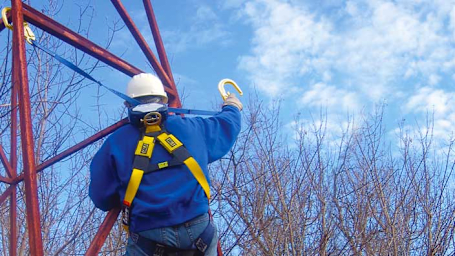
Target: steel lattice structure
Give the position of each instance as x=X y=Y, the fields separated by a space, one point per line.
x=20 y=97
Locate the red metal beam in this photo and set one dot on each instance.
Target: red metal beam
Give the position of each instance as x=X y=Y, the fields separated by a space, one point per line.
x=97 y=136
x=5 y=194
x=4 y=160
x=14 y=110
x=28 y=154
x=76 y=147
x=103 y=232
x=63 y=33
x=160 y=47
x=13 y=222
x=172 y=93
x=157 y=38
x=6 y=180
x=13 y=161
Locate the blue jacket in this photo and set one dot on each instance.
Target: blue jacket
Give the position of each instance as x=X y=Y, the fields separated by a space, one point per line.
x=170 y=196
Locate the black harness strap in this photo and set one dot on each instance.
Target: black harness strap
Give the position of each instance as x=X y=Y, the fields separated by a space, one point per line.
x=178 y=156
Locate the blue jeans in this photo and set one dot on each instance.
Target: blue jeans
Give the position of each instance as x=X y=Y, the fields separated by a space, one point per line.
x=181 y=236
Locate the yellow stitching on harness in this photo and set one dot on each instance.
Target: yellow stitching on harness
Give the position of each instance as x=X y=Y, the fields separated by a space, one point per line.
x=198 y=174
x=133 y=186
x=145 y=146
x=169 y=142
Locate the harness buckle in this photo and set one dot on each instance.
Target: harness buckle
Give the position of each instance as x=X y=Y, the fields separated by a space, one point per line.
x=159 y=250
x=201 y=245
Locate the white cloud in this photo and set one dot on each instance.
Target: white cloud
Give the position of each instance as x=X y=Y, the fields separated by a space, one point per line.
x=434 y=79
x=334 y=127
x=430 y=99
x=351 y=8
x=206 y=28
x=205 y=13
x=452 y=22
x=321 y=95
x=374 y=50
x=437 y=105
x=283 y=36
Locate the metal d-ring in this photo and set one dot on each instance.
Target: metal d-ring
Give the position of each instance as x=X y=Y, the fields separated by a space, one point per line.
x=152 y=118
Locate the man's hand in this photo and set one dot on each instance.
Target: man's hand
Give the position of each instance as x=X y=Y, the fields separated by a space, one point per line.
x=231 y=100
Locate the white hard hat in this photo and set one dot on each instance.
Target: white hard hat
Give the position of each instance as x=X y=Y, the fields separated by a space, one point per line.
x=146 y=84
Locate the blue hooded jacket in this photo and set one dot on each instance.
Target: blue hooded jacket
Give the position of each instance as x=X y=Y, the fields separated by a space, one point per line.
x=170 y=196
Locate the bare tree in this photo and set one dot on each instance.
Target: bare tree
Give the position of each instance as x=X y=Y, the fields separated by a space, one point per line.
x=313 y=193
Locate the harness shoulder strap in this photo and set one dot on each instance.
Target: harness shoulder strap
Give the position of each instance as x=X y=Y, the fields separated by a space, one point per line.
x=181 y=155
x=142 y=155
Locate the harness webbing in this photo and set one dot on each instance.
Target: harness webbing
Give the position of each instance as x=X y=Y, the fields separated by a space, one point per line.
x=198 y=174
x=141 y=164
x=133 y=186
x=181 y=154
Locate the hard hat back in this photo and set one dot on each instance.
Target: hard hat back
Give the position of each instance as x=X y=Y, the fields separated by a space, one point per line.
x=146 y=84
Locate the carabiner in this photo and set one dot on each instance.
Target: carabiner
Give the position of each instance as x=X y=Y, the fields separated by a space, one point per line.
x=28 y=33
x=223 y=92
x=5 y=18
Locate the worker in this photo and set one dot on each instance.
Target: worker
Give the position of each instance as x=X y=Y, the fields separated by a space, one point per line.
x=169 y=214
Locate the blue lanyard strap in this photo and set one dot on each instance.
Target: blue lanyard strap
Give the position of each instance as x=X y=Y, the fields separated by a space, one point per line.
x=192 y=111
x=84 y=74
x=128 y=99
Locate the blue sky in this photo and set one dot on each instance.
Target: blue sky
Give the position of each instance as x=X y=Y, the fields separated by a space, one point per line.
x=345 y=57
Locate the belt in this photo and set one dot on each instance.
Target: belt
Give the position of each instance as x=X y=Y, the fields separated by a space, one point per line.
x=153 y=248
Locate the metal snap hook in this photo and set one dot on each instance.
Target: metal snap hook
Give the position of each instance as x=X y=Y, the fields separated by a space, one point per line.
x=28 y=33
x=223 y=92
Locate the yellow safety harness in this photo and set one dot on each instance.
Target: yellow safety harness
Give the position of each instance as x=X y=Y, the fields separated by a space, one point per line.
x=143 y=154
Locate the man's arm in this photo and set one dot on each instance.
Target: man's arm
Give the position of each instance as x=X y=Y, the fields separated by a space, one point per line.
x=221 y=130
x=104 y=182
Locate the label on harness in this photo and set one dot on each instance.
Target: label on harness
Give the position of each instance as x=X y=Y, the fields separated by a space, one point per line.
x=169 y=142
x=144 y=148
x=163 y=165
